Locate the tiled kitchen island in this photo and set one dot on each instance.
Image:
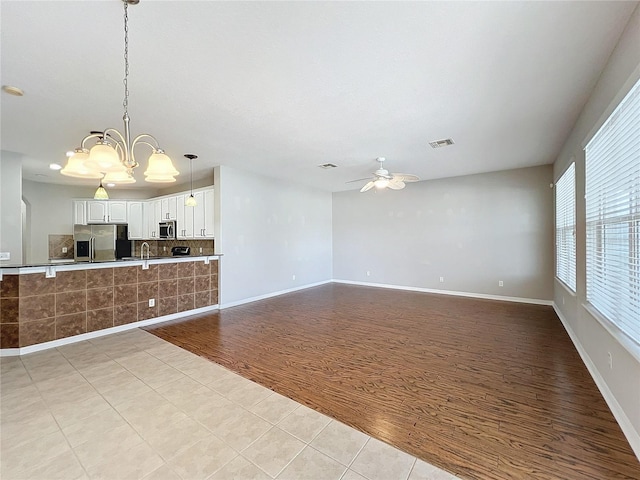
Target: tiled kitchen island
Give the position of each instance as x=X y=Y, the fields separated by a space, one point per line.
x=40 y=304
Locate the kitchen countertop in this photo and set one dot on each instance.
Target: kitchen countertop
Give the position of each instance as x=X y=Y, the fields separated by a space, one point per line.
x=52 y=267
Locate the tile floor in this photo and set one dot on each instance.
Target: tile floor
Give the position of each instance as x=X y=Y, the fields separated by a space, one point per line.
x=132 y=406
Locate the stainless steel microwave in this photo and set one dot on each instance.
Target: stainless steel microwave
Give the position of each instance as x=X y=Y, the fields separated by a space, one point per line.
x=167 y=229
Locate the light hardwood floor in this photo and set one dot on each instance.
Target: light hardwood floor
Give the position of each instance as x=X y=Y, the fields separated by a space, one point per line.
x=483 y=389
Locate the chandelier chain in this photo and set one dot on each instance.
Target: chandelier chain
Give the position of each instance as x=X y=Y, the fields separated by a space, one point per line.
x=125 y=102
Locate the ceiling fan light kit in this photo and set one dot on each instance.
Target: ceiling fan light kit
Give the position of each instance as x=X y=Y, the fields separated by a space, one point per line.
x=113 y=152
x=383 y=179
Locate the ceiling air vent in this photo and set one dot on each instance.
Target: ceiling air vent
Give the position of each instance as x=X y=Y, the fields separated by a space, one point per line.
x=441 y=143
x=327 y=165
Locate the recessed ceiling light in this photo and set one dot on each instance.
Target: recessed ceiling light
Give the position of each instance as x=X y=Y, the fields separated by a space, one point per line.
x=327 y=165
x=55 y=166
x=70 y=153
x=111 y=185
x=441 y=143
x=15 y=91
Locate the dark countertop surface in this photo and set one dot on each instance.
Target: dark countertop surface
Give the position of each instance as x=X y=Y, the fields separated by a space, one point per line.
x=119 y=261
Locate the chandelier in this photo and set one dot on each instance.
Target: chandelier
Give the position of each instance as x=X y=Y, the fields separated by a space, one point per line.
x=111 y=158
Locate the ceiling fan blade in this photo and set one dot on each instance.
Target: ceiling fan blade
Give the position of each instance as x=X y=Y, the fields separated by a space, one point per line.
x=396 y=184
x=406 y=177
x=358 y=180
x=368 y=186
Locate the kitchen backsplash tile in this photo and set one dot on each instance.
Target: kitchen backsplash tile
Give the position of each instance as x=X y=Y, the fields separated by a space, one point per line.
x=162 y=248
x=57 y=243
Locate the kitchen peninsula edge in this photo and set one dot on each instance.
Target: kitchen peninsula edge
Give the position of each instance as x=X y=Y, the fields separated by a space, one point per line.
x=50 y=305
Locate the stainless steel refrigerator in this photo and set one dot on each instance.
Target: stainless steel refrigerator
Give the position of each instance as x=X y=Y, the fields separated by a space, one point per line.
x=100 y=243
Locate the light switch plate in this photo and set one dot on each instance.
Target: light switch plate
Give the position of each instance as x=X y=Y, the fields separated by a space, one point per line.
x=5 y=255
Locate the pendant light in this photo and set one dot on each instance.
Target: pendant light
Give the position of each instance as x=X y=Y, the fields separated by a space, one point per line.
x=101 y=193
x=191 y=200
x=113 y=152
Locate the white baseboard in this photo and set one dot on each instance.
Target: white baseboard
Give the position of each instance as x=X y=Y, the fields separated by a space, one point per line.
x=633 y=436
x=534 y=301
x=272 y=294
x=10 y=352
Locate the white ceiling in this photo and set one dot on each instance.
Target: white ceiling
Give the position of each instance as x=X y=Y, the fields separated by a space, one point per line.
x=281 y=87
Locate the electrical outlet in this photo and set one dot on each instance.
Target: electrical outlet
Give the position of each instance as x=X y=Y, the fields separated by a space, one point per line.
x=368 y=273
x=294 y=277
x=152 y=302
x=441 y=279
x=610 y=358
x=5 y=255
x=500 y=283
x=64 y=250
x=200 y=249
x=164 y=249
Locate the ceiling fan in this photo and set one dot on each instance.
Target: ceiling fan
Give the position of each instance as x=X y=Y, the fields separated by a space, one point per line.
x=383 y=179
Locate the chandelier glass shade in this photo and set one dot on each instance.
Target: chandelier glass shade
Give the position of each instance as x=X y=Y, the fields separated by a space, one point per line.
x=119 y=178
x=112 y=154
x=75 y=166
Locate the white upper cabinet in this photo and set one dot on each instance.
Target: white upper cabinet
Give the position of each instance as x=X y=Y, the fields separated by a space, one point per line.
x=203 y=214
x=169 y=208
x=105 y=211
x=135 y=216
x=80 y=212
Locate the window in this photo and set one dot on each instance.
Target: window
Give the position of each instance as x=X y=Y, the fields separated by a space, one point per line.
x=613 y=217
x=566 y=227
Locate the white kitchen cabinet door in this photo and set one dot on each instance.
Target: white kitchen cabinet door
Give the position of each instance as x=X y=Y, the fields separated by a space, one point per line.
x=153 y=218
x=97 y=211
x=117 y=211
x=79 y=212
x=203 y=214
x=169 y=208
x=184 y=217
x=208 y=213
x=135 y=215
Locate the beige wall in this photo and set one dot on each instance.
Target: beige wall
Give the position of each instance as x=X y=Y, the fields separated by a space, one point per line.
x=474 y=231
x=593 y=337
x=10 y=207
x=268 y=231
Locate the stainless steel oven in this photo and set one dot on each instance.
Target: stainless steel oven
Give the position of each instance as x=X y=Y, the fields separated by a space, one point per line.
x=167 y=229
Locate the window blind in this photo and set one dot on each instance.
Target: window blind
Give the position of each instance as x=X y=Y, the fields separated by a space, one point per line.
x=613 y=216
x=566 y=227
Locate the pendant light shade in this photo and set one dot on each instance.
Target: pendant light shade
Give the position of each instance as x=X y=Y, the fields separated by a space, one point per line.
x=160 y=168
x=101 y=193
x=75 y=166
x=104 y=158
x=191 y=201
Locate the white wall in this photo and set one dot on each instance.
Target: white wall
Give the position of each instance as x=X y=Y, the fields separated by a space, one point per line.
x=11 y=207
x=269 y=230
x=620 y=385
x=49 y=211
x=474 y=231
